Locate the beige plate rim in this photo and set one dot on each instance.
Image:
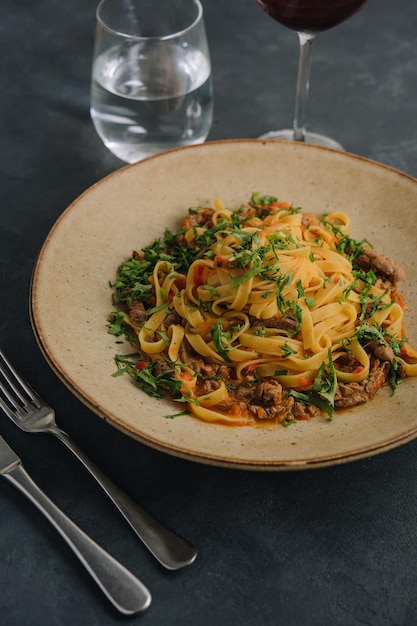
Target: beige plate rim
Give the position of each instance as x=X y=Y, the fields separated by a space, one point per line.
x=62 y=280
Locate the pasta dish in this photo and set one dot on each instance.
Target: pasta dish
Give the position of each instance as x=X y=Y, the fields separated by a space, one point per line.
x=262 y=313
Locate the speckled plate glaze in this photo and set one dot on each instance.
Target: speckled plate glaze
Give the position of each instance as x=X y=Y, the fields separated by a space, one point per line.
x=71 y=298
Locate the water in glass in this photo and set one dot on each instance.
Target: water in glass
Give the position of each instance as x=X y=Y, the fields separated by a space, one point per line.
x=139 y=112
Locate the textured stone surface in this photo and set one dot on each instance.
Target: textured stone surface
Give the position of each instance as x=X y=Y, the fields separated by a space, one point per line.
x=332 y=547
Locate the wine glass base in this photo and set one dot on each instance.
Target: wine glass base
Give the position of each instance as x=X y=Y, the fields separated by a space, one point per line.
x=315 y=138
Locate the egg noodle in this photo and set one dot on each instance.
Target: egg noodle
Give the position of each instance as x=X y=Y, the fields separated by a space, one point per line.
x=264 y=312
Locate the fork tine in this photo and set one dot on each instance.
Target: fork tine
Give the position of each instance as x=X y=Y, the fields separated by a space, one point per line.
x=10 y=407
x=9 y=403
x=16 y=383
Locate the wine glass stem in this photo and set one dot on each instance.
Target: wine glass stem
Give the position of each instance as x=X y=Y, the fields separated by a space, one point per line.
x=303 y=79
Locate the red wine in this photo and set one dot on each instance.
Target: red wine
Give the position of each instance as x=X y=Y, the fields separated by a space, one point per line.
x=310 y=15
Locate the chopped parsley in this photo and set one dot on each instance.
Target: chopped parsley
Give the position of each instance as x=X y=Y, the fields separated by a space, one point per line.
x=145 y=374
x=221 y=339
x=324 y=388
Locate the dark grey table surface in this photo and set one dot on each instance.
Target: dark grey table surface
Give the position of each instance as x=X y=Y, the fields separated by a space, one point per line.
x=329 y=547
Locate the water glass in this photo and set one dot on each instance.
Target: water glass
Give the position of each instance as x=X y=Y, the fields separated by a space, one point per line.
x=151 y=87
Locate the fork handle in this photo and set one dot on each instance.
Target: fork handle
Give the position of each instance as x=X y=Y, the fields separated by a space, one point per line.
x=123 y=589
x=169 y=548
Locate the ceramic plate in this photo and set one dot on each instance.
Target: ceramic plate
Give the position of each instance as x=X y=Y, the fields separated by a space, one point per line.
x=71 y=298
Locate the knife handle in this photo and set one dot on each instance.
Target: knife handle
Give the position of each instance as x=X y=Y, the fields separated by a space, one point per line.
x=120 y=586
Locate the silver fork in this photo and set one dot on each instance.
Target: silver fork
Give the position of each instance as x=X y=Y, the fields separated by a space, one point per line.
x=32 y=414
x=123 y=589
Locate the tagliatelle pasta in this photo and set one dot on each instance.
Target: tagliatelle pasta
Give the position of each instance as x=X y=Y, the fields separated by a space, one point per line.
x=263 y=312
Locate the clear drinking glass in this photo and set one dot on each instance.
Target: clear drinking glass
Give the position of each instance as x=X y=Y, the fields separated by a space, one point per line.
x=151 y=87
x=307 y=17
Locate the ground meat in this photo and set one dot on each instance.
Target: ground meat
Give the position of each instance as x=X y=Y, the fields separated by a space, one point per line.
x=207 y=386
x=266 y=400
x=161 y=277
x=301 y=411
x=280 y=411
x=137 y=312
x=174 y=318
x=180 y=240
x=347 y=362
x=189 y=357
x=268 y=393
x=386 y=353
x=186 y=352
x=199 y=218
x=139 y=255
x=225 y=372
x=245 y=393
x=351 y=394
x=381 y=351
x=401 y=370
x=284 y=323
x=161 y=367
x=211 y=369
x=381 y=264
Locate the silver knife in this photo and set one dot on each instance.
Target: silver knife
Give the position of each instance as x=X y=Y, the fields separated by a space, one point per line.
x=120 y=586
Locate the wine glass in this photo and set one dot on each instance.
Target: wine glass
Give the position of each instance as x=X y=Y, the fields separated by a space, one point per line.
x=307 y=17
